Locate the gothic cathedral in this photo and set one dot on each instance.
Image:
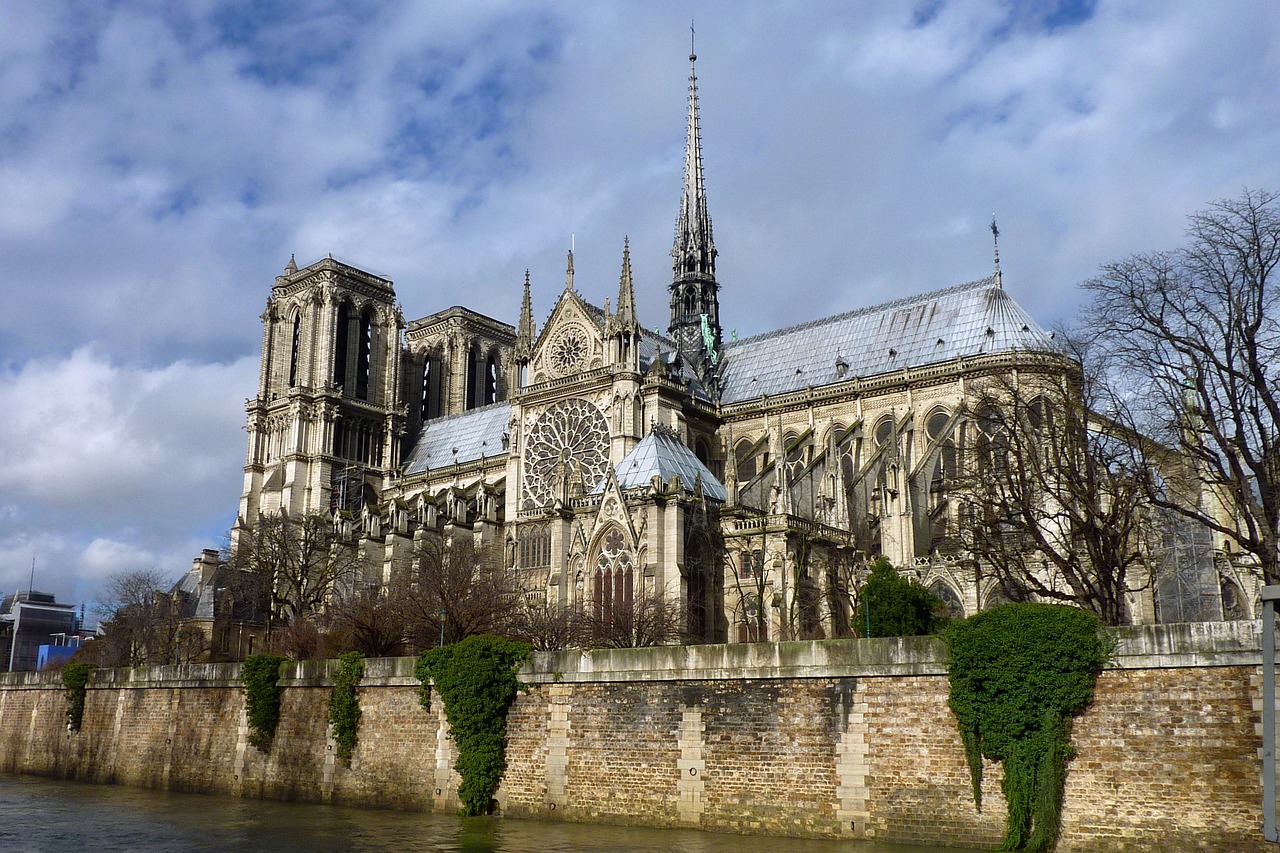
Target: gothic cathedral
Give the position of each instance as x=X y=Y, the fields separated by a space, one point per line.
x=743 y=480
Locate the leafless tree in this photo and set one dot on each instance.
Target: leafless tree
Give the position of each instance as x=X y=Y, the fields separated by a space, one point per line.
x=370 y=622
x=139 y=620
x=454 y=590
x=645 y=619
x=1193 y=336
x=549 y=627
x=748 y=561
x=1053 y=499
x=297 y=563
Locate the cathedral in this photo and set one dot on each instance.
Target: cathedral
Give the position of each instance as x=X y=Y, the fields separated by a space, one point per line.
x=744 y=480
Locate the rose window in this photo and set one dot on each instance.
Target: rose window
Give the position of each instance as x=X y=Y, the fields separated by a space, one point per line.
x=569 y=441
x=568 y=351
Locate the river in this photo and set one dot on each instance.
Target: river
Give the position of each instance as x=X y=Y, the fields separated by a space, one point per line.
x=49 y=816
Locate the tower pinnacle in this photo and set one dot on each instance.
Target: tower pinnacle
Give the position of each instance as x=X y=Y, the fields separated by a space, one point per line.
x=526 y=331
x=626 y=290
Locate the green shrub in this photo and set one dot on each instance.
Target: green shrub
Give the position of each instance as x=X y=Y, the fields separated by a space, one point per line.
x=899 y=607
x=344 y=704
x=477 y=682
x=1019 y=673
x=261 y=675
x=75 y=677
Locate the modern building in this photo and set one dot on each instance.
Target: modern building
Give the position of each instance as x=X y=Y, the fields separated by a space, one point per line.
x=30 y=620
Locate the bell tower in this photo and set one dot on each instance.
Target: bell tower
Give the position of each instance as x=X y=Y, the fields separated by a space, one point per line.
x=325 y=426
x=695 y=303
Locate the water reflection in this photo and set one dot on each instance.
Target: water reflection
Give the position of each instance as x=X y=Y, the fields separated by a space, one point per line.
x=49 y=815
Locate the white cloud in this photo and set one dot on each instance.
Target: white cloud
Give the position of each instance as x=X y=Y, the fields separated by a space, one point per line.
x=157 y=168
x=105 y=467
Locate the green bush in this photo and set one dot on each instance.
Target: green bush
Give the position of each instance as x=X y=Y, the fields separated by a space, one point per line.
x=1019 y=673
x=899 y=607
x=261 y=676
x=477 y=682
x=344 y=704
x=75 y=677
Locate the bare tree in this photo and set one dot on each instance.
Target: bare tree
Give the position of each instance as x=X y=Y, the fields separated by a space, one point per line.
x=454 y=590
x=646 y=619
x=139 y=620
x=1054 y=499
x=1193 y=335
x=297 y=563
x=748 y=561
x=369 y=622
x=549 y=627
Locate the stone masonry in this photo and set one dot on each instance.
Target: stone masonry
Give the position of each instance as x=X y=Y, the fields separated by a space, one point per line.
x=836 y=739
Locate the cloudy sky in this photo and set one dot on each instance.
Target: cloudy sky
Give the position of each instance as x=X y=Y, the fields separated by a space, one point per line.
x=160 y=162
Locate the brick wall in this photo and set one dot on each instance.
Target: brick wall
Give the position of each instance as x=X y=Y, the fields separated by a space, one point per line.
x=837 y=739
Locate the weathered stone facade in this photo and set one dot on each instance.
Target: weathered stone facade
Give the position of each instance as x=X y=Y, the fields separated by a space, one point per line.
x=832 y=738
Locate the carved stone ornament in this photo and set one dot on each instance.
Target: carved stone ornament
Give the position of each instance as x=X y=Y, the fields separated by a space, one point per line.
x=569 y=350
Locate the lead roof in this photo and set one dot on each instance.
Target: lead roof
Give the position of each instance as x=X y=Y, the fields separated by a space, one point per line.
x=662 y=454
x=460 y=438
x=971 y=319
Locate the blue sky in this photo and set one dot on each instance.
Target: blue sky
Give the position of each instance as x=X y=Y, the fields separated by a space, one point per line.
x=159 y=163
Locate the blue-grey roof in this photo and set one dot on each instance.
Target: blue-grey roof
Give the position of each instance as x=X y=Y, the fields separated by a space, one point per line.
x=662 y=454
x=963 y=321
x=471 y=434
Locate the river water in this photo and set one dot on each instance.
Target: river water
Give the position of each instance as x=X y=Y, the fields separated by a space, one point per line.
x=49 y=816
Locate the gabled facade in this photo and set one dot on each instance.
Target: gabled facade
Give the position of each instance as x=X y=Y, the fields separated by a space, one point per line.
x=746 y=481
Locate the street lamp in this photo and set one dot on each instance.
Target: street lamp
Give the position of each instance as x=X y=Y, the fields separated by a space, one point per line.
x=443 y=614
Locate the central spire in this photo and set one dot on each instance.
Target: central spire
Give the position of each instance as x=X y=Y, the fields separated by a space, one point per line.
x=694 y=251
x=695 y=306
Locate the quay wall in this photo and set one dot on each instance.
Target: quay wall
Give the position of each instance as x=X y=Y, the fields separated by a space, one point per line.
x=840 y=738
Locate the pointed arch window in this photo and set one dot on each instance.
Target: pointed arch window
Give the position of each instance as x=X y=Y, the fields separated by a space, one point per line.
x=341 y=339
x=614 y=577
x=491 y=378
x=433 y=377
x=293 y=350
x=474 y=376
x=364 y=355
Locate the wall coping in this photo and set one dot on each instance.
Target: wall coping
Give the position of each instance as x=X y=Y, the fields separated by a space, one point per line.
x=1191 y=644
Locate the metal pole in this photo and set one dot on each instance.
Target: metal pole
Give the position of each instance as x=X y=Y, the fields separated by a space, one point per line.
x=1269 y=596
x=443 y=614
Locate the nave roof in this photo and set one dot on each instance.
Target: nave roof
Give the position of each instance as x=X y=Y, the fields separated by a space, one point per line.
x=976 y=318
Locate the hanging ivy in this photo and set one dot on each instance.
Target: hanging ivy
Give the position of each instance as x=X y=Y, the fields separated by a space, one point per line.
x=261 y=676
x=477 y=682
x=344 y=704
x=75 y=678
x=1019 y=674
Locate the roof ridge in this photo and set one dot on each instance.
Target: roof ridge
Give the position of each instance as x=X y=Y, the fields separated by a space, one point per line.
x=976 y=284
x=457 y=415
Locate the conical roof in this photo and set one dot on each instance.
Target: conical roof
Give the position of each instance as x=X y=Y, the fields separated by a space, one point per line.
x=662 y=454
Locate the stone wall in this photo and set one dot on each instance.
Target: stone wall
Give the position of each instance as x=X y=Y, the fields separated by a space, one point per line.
x=836 y=738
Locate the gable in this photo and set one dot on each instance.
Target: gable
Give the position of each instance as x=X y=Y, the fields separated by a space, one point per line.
x=571 y=342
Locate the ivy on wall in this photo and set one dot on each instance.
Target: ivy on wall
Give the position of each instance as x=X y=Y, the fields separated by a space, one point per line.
x=1019 y=674
x=75 y=678
x=477 y=683
x=261 y=675
x=344 y=704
